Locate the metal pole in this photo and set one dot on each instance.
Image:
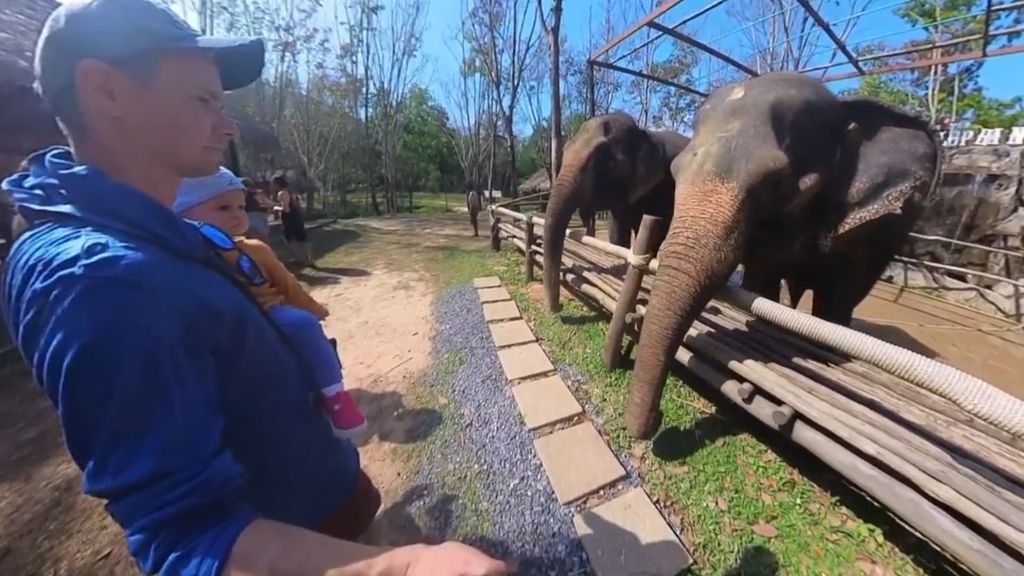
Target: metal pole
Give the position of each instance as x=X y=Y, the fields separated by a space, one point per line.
x=591 y=104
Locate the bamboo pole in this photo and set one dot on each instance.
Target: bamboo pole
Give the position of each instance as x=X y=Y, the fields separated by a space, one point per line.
x=924 y=464
x=929 y=520
x=627 y=297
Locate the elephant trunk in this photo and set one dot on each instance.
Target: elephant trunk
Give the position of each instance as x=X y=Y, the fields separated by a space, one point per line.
x=703 y=246
x=565 y=199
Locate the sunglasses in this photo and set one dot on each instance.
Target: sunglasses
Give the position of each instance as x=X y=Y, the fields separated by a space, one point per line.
x=220 y=240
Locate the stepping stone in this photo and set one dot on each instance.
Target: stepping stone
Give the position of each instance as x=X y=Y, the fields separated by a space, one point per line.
x=493 y=294
x=545 y=401
x=524 y=361
x=628 y=536
x=488 y=282
x=494 y=311
x=511 y=333
x=577 y=462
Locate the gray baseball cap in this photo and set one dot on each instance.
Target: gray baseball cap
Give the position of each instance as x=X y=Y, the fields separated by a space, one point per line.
x=111 y=30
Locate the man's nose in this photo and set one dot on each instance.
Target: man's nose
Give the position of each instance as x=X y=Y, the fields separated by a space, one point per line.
x=227 y=126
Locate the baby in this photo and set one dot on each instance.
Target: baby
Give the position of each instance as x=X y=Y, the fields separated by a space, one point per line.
x=217 y=205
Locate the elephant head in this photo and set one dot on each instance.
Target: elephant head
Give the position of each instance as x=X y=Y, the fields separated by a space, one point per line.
x=777 y=163
x=611 y=164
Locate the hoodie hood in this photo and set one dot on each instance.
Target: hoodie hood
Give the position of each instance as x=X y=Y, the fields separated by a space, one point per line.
x=57 y=187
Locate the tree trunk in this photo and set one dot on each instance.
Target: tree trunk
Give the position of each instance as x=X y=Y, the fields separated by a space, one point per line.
x=511 y=135
x=556 y=89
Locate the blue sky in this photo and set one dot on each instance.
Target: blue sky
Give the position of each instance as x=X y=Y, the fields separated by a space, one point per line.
x=1001 y=76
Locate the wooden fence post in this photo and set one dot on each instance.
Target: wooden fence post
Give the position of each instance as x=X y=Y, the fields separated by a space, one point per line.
x=496 y=234
x=626 y=304
x=529 y=248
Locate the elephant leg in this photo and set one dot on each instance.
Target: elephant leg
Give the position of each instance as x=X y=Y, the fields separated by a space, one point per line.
x=620 y=229
x=858 y=260
x=473 y=220
x=588 y=217
x=763 y=279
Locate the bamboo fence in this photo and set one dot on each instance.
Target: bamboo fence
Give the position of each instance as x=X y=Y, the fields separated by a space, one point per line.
x=956 y=479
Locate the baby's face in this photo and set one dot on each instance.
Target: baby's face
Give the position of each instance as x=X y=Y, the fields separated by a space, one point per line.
x=226 y=212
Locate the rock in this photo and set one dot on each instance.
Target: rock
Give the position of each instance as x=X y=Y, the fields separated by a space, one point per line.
x=979 y=200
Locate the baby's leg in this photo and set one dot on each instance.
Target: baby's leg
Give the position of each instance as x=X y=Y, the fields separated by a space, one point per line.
x=316 y=351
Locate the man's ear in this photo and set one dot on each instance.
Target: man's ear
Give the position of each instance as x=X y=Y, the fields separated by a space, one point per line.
x=100 y=89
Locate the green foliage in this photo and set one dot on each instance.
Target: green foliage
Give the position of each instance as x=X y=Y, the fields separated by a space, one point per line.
x=426 y=155
x=948 y=90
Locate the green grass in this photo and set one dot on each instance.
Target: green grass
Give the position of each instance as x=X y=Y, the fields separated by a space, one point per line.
x=357 y=204
x=748 y=503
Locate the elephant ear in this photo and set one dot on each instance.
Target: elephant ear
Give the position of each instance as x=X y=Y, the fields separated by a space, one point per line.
x=891 y=159
x=652 y=155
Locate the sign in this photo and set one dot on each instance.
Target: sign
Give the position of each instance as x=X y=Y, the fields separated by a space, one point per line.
x=983 y=136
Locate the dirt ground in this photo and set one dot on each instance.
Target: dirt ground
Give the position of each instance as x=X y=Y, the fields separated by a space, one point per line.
x=971 y=341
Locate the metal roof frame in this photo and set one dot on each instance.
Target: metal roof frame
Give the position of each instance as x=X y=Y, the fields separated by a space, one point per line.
x=600 y=58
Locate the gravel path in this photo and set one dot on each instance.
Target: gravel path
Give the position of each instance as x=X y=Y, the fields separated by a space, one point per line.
x=487 y=485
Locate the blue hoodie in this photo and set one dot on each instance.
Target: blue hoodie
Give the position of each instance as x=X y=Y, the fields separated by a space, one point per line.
x=180 y=402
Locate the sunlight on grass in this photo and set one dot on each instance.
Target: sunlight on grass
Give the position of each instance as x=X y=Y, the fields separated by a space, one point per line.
x=733 y=494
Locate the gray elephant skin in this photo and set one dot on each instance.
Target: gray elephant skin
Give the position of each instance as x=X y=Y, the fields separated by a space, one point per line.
x=794 y=183
x=610 y=164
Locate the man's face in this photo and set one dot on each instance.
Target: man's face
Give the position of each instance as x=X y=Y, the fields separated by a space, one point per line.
x=178 y=116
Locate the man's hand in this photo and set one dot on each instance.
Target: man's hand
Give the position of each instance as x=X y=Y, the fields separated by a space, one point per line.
x=453 y=559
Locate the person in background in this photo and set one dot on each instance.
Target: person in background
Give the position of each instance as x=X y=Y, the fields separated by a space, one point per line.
x=292 y=223
x=176 y=397
x=218 y=200
x=257 y=211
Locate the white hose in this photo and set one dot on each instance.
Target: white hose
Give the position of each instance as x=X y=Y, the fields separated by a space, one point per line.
x=977 y=397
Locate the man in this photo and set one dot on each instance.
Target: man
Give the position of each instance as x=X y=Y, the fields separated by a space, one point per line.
x=183 y=407
x=474 y=205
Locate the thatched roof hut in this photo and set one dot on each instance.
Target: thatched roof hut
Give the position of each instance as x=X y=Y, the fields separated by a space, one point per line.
x=25 y=122
x=539 y=182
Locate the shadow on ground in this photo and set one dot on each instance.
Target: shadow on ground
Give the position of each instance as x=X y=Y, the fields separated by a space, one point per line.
x=421 y=516
x=674 y=444
x=326 y=275
x=893 y=335
x=390 y=420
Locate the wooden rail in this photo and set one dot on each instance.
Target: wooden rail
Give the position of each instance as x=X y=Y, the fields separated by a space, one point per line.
x=957 y=480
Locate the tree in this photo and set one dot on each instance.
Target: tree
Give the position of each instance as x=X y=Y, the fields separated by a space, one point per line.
x=426 y=156
x=394 y=48
x=471 y=132
x=784 y=36
x=950 y=90
x=552 y=32
x=505 y=36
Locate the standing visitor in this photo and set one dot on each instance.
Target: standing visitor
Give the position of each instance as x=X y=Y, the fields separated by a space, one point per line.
x=292 y=223
x=177 y=396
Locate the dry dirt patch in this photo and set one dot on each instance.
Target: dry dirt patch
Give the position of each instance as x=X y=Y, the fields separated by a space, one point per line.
x=383 y=326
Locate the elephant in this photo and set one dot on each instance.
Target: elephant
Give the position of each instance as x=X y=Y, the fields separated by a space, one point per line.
x=611 y=164
x=474 y=205
x=794 y=183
